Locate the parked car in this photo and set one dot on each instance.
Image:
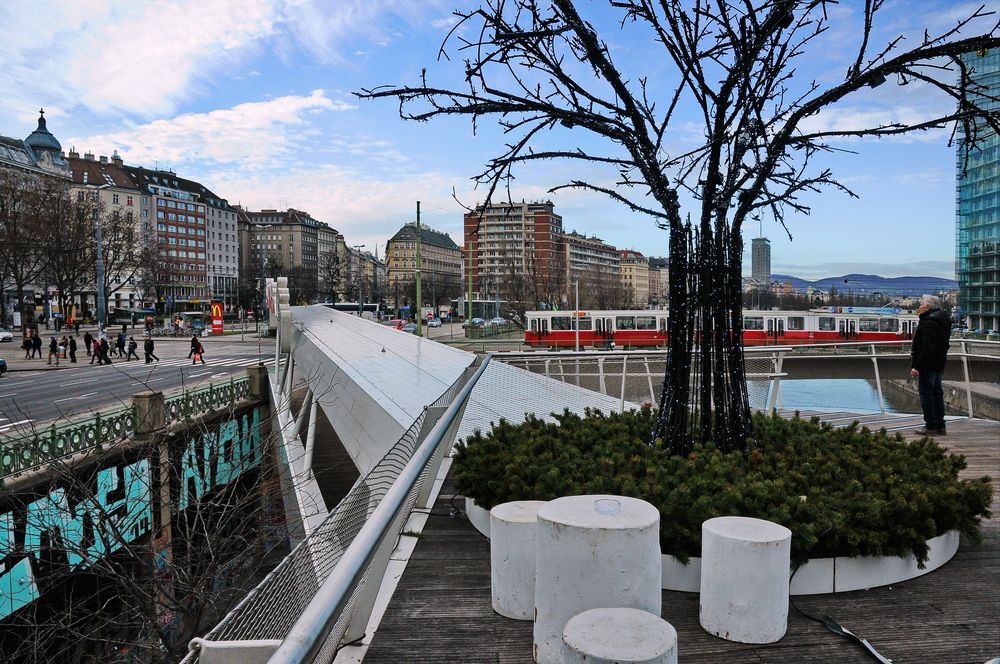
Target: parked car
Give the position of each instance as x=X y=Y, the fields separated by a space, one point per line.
x=474 y=322
x=434 y=322
x=409 y=328
x=5 y=336
x=3 y=366
x=499 y=320
x=396 y=323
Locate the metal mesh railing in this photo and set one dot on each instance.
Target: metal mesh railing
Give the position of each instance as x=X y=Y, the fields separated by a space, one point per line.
x=270 y=609
x=197 y=402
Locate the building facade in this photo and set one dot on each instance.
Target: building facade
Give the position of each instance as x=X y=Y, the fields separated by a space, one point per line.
x=977 y=242
x=332 y=259
x=588 y=256
x=440 y=265
x=635 y=277
x=516 y=242
x=760 y=261
x=283 y=242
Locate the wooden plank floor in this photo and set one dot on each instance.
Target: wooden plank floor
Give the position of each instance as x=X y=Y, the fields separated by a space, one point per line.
x=441 y=610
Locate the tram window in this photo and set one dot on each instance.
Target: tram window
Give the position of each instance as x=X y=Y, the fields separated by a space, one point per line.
x=868 y=325
x=753 y=323
x=888 y=325
x=796 y=323
x=534 y=325
x=663 y=326
x=562 y=323
x=625 y=322
x=645 y=322
x=827 y=324
x=585 y=323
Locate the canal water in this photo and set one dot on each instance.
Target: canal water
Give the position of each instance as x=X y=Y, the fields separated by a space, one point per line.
x=856 y=395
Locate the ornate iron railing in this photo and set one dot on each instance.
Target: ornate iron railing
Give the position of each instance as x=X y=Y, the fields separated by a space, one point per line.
x=30 y=450
x=189 y=405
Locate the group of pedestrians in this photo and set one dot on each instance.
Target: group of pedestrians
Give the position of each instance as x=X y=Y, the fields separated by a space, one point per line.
x=100 y=350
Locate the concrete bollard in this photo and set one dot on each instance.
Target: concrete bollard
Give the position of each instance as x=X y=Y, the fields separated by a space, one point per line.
x=593 y=552
x=744 y=579
x=512 y=558
x=619 y=636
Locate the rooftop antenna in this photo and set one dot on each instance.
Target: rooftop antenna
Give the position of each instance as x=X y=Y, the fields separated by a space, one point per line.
x=760 y=220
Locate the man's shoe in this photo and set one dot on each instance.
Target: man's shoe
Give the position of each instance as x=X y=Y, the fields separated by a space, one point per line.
x=924 y=431
x=942 y=432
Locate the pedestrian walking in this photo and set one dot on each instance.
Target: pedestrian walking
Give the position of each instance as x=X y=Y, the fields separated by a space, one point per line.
x=53 y=350
x=194 y=346
x=121 y=345
x=72 y=349
x=88 y=341
x=64 y=347
x=76 y=327
x=124 y=330
x=36 y=345
x=95 y=351
x=26 y=345
x=132 y=345
x=147 y=347
x=928 y=356
x=105 y=348
x=199 y=353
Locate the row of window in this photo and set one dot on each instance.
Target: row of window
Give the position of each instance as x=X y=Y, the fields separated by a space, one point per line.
x=166 y=228
x=161 y=202
x=825 y=324
x=172 y=216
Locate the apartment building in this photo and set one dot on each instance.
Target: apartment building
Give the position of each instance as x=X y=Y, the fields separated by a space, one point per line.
x=516 y=240
x=440 y=262
x=635 y=277
x=283 y=242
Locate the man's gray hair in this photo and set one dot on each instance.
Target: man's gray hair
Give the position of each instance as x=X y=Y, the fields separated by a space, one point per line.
x=933 y=300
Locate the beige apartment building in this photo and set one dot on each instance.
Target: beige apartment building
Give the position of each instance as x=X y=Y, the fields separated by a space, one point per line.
x=284 y=242
x=635 y=277
x=440 y=264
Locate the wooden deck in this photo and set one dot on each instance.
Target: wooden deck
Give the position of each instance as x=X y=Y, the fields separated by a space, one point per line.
x=441 y=609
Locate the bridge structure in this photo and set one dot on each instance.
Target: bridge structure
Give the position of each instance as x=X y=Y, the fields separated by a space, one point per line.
x=397 y=404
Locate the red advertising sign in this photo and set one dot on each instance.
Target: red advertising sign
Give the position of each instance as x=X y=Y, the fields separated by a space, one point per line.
x=216 y=318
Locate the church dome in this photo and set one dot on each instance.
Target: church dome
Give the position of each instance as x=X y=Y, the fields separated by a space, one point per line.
x=41 y=139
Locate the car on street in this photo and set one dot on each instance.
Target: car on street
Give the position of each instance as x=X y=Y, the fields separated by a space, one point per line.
x=434 y=322
x=475 y=322
x=396 y=323
x=5 y=336
x=409 y=328
x=499 y=320
x=3 y=366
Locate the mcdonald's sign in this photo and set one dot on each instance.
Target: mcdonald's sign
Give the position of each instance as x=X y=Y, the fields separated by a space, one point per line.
x=216 y=318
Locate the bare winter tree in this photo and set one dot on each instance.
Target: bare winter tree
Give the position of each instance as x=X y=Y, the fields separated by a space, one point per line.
x=331 y=268
x=71 y=263
x=541 y=67
x=26 y=203
x=123 y=245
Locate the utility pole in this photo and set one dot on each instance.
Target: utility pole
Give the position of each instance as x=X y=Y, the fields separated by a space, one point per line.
x=468 y=298
x=420 y=313
x=576 y=315
x=357 y=248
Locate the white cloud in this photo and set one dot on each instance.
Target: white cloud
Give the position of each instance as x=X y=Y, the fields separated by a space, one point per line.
x=254 y=135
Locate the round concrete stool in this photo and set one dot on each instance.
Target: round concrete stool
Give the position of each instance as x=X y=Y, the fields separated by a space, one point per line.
x=744 y=579
x=593 y=552
x=512 y=558
x=619 y=636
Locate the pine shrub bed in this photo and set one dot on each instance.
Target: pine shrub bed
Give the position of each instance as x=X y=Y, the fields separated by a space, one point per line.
x=842 y=492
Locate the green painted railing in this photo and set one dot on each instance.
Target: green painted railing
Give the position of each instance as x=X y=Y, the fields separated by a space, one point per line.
x=24 y=451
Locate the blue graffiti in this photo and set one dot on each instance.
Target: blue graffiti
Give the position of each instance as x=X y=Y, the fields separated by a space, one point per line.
x=216 y=458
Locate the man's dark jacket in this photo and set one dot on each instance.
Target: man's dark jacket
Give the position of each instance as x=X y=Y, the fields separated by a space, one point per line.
x=930 y=341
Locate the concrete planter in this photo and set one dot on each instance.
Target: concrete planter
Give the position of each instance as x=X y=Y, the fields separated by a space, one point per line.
x=478 y=517
x=816 y=577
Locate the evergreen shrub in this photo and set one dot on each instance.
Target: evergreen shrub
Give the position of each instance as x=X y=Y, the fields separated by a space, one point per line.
x=842 y=492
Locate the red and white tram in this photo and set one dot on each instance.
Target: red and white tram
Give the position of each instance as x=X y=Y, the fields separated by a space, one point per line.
x=638 y=328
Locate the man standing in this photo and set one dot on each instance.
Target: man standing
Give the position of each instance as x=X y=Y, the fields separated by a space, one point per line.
x=928 y=355
x=53 y=350
x=88 y=341
x=72 y=349
x=36 y=345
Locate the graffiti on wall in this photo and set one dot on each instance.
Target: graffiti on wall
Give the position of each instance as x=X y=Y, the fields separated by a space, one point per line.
x=216 y=458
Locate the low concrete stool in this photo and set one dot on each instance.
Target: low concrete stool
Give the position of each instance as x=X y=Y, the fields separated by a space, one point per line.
x=744 y=579
x=512 y=557
x=619 y=636
x=593 y=552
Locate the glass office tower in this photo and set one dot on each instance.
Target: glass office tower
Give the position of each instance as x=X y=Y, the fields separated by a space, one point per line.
x=977 y=250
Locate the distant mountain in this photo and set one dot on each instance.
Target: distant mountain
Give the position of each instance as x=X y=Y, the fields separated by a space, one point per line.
x=870 y=283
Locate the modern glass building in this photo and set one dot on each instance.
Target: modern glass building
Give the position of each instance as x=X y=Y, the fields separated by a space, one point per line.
x=977 y=250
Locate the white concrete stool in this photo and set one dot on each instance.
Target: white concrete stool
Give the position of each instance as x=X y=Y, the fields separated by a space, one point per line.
x=619 y=636
x=512 y=558
x=744 y=579
x=593 y=552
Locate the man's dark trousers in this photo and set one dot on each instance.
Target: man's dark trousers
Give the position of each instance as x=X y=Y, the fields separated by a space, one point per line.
x=932 y=399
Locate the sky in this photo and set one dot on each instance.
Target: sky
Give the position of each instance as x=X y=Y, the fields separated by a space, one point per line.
x=254 y=98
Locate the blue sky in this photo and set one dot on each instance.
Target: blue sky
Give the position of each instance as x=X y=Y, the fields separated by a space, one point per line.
x=253 y=98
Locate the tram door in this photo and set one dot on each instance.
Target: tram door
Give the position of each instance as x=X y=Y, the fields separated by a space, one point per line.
x=775 y=328
x=609 y=331
x=906 y=327
x=848 y=328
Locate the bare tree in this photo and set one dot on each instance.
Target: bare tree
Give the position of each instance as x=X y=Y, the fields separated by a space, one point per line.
x=71 y=253
x=540 y=68
x=331 y=268
x=25 y=206
x=122 y=245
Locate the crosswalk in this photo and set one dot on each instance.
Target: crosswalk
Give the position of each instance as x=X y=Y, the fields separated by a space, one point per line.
x=242 y=361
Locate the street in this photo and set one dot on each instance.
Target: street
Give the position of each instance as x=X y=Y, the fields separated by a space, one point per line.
x=33 y=397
